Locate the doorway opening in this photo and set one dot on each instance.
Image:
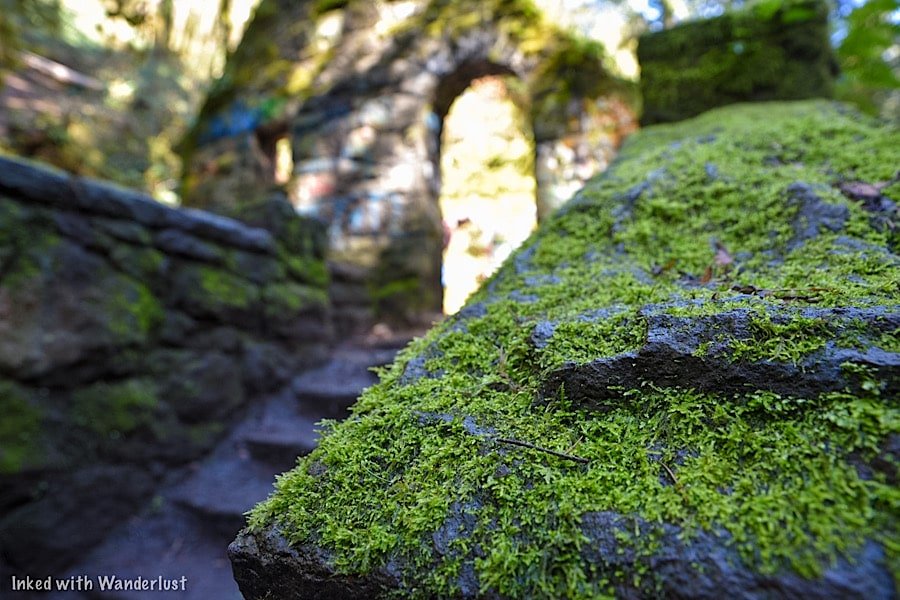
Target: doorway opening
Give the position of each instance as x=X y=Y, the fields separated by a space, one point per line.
x=488 y=189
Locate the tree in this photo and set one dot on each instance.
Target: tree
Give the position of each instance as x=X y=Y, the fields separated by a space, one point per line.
x=869 y=56
x=17 y=19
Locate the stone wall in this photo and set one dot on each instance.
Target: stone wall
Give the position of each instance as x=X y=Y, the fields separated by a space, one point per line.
x=361 y=90
x=131 y=336
x=776 y=50
x=684 y=385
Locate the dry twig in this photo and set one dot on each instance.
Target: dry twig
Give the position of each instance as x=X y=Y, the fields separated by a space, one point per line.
x=572 y=457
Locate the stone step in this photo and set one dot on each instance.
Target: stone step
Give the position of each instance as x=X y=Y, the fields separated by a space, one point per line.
x=165 y=541
x=223 y=489
x=277 y=432
x=280 y=448
x=332 y=388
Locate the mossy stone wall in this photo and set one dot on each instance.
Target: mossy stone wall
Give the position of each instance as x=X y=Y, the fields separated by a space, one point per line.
x=776 y=50
x=131 y=336
x=360 y=89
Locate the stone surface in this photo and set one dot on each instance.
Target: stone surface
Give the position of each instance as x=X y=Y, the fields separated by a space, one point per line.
x=185 y=525
x=772 y=51
x=131 y=336
x=698 y=398
x=363 y=110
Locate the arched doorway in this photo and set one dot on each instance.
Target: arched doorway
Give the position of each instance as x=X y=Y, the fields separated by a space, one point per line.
x=364 y=119
x=488 y=190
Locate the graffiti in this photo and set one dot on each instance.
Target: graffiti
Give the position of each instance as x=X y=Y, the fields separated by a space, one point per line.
x=239 y=118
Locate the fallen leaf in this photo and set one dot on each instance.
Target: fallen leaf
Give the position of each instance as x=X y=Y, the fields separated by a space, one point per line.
x=660 y=270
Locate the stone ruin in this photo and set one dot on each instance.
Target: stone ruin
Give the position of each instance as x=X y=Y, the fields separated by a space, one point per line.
x=684 y=385
x=360 y=90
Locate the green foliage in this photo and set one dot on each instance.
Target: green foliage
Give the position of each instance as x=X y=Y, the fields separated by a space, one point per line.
x=868 y=75
x=18 y=18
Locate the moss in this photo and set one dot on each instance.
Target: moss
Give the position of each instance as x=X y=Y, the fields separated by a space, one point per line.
x=307 y=270
x=776 y=49
x=133 y=312
x=142 y=262
x=284 y=299
x=776 y=473
x=221 y=288
x=578 y=341
x=27 y=243
x=789 y=342
x=20 y=428
x=112 y=409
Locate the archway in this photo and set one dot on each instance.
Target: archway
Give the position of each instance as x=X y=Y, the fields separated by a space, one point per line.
x=364 y=113
x=488 y=188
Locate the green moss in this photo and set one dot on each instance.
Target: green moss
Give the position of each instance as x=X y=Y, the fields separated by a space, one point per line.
x=111 y=409
x=142 y=262
x=221 y=288
x=777 y=49
x=790 y=341
x=27 y=243
x=775 y=472
x=286 y=299
x=19 y=429
x=307 y=270
x=580 y=342
x=132 y=311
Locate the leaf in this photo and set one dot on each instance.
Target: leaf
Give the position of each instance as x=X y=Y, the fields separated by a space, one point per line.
x=666 y=267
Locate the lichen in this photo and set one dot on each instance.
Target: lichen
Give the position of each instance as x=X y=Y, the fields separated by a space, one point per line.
x=659 y=233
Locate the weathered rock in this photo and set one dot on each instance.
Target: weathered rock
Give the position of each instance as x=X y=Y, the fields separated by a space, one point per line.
x=771 y=51
x=131 y=335
x=699 y=399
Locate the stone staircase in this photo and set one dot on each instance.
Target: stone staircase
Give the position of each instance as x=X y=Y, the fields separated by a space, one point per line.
x=186 y=528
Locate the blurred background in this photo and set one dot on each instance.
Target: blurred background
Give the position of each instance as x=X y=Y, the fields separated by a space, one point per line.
x=110 y=88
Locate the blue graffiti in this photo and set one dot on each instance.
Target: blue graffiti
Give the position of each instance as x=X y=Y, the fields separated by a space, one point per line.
x=239 y=118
